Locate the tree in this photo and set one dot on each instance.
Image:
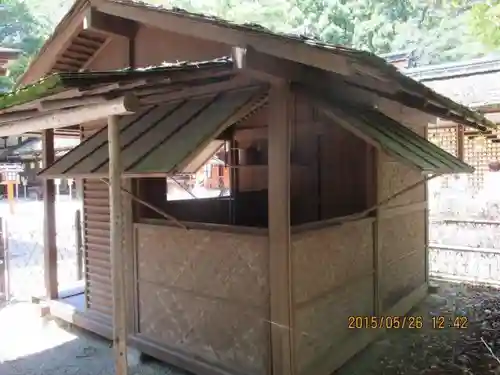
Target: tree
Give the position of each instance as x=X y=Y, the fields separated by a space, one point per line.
x=485 y=22
x=19 y=29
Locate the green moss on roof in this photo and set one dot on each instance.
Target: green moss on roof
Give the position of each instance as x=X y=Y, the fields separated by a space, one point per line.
x=44 y=87
x=58 y=82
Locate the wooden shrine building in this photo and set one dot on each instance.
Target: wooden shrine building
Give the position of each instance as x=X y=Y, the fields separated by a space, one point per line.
x=326 y=217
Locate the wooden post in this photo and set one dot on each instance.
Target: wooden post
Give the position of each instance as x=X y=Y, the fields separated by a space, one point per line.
x=117 y=257
x=49 y=209
x=460 y=142
x=279 y=230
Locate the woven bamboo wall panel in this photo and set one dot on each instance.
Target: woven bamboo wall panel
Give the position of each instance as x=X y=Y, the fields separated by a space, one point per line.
x=204 y=262
x=402 y=240
x=321 y=326
x=329 y=257
x=214 y=330
x=332 y=279
x=394 y=177
x=206 y=293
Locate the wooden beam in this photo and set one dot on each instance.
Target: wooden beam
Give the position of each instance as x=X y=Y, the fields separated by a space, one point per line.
x=49 y=210
x=19 y=115
x=117 y=257
x=95 y=20
x=280 y=262
x=119 y=106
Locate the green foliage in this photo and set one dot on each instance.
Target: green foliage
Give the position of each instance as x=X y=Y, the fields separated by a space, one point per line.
x=485 y=22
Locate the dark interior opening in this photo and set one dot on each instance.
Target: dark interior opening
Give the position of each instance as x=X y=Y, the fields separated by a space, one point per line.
x=332 y=175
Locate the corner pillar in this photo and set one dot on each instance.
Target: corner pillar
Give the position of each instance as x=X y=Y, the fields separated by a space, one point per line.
x=280 y=262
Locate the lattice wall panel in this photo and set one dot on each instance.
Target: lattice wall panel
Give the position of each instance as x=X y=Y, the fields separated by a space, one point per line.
x=479 y=152
x=446 y=138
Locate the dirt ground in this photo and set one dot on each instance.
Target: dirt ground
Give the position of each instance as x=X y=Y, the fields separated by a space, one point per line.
x=471 y=346
x=35 y=346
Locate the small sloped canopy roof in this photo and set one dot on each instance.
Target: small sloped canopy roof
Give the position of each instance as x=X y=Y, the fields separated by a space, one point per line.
x=396 y=139
x=163 y=139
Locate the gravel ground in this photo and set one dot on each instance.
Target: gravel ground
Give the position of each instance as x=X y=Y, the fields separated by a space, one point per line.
x=34 y=346
x=472 y=349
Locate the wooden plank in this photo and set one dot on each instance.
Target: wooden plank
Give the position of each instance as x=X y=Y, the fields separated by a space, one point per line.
x=49 y=209
x=280 y=263
x=120 y=322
